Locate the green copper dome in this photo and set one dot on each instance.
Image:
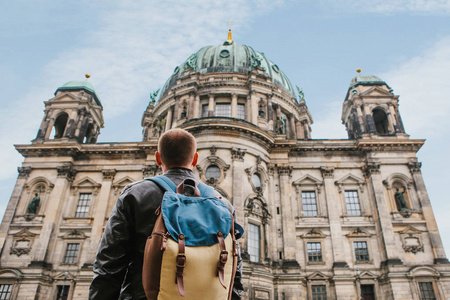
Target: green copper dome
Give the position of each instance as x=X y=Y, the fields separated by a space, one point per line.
x=229 y=57
x=366 y=80
x=80 y=85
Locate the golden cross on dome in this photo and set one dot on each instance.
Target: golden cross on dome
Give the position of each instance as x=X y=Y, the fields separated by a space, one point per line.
x=230 y=34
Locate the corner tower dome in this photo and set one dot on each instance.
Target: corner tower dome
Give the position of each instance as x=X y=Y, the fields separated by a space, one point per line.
x=229 y=57
x=77 y=85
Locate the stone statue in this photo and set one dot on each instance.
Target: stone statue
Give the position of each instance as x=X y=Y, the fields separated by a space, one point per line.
x=301 y=94
x=400 y=199
x=191 y=62
x=280 y=126
x=158 y=127
x=34 y=204
x=283 y=122
x=256 y=61
x=183 y=113
x=154 y=95
x=261 y=112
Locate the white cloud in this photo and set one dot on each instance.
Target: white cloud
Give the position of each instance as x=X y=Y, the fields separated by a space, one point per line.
x=392 y=6
x=131 y=51
x=424 y=89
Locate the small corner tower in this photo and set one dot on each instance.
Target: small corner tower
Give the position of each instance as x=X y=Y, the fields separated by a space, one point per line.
x=74 y=114
x=370 y=109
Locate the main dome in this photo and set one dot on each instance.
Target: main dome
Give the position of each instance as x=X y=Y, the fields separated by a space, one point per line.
x=229 y=57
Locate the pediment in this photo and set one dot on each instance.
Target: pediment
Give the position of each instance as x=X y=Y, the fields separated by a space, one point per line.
x=24 y=233
x=65 y=96
x=66 y=275
x=358 y=232
x=423 y=271
x=350 y=179
x=74 y=234
x=367 y=275
x=314 y=233
x=86 y=182
x=10 y=273
x=308 y=180
x=410 y=230
x=317 y=276
x=376 y=91
x=124 y=181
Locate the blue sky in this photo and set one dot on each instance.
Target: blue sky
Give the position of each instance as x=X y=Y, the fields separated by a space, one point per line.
x=131 y=48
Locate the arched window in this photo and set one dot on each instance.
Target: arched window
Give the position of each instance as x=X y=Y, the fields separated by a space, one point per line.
x=60 y=125
x=381 y=121
x=256 y=180
x=212 y=171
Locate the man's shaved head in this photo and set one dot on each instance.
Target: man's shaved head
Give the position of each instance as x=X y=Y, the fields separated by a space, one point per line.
x=177 y=148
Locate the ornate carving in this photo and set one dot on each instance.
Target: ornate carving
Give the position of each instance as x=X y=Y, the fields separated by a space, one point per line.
x=19 y=251
x=24 y=172
x=284 y=170
x=371 y=168
x=257 y=207
x=191 y=62
x=66 y=171
x=327 y=172
x=238 y=153
x=150 y=170
x=256 y=61
x=108 y=174
x=414 y=166
x=213 y=150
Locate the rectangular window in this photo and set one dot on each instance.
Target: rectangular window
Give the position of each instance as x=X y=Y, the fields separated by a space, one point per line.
x=71 y=253
x=353 y=208
x=5 y=291
x=361 y=251
x=309 y=203
x=314 y=252
x=253 y=242
x=83 y=206
x=205 y=110
x=223 y=110
x=319 y=292
x=426 y=291
x=63 y=292
x=241 y=111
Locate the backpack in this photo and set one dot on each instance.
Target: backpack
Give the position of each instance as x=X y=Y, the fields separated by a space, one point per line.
x=186 y=256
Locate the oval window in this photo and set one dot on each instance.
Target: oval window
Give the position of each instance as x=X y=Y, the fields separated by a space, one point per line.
x=256 y=179
x=275 y=68
x=224 y=53
x=212 y=172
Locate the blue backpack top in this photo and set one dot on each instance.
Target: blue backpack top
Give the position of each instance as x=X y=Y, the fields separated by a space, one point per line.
x=198 y=218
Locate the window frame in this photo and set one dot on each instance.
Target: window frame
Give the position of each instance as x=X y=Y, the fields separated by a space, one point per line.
x=11 y=290
x=369 y=260
x=243 y=111
x=88 y=206
x=222 y=104
x=317 y=285
x=77 y=257
x=358 y=202
x=309 y=262
x=258 y=241
x=303 y=203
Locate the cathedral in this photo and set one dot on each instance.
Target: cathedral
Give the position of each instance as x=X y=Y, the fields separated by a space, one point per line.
x=323 y=219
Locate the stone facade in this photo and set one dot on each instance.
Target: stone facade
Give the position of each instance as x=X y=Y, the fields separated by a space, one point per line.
x=345 y=219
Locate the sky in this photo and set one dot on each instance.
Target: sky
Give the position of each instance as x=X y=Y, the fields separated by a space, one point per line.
x=130 y=48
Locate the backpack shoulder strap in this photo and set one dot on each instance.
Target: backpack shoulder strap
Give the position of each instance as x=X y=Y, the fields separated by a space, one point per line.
x=205 y=190
x=164 y=182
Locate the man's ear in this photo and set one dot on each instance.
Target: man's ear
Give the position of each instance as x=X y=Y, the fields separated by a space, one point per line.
x=195 y=160
x=158 y=158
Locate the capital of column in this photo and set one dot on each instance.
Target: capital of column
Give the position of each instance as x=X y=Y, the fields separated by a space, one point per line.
x=327 y=172
x=150 y=170
x=238 y=153
x=24 y=172
x=66 y=171
x=284 y=169
x=108 y=174
x=414 y=167
x=371 y=168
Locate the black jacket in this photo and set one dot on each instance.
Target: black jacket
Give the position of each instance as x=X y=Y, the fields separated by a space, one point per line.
x=118 y=264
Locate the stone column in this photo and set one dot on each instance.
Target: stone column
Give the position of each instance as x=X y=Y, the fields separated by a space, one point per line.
x=196 y=109
x=24 y=173
x=254 y=107
x=234 y=105
x=211 y=110
x=101 y=206
x=433 y=232
x=292 y=126
x=372 y=171
x=392 y=118
x=334 y=217
x=300 y=132
x=80 y=122
x=53 y=209
x=369 y=119
x=237 y=156
x=288 y=223
x=169 y=118
x=360 y=118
